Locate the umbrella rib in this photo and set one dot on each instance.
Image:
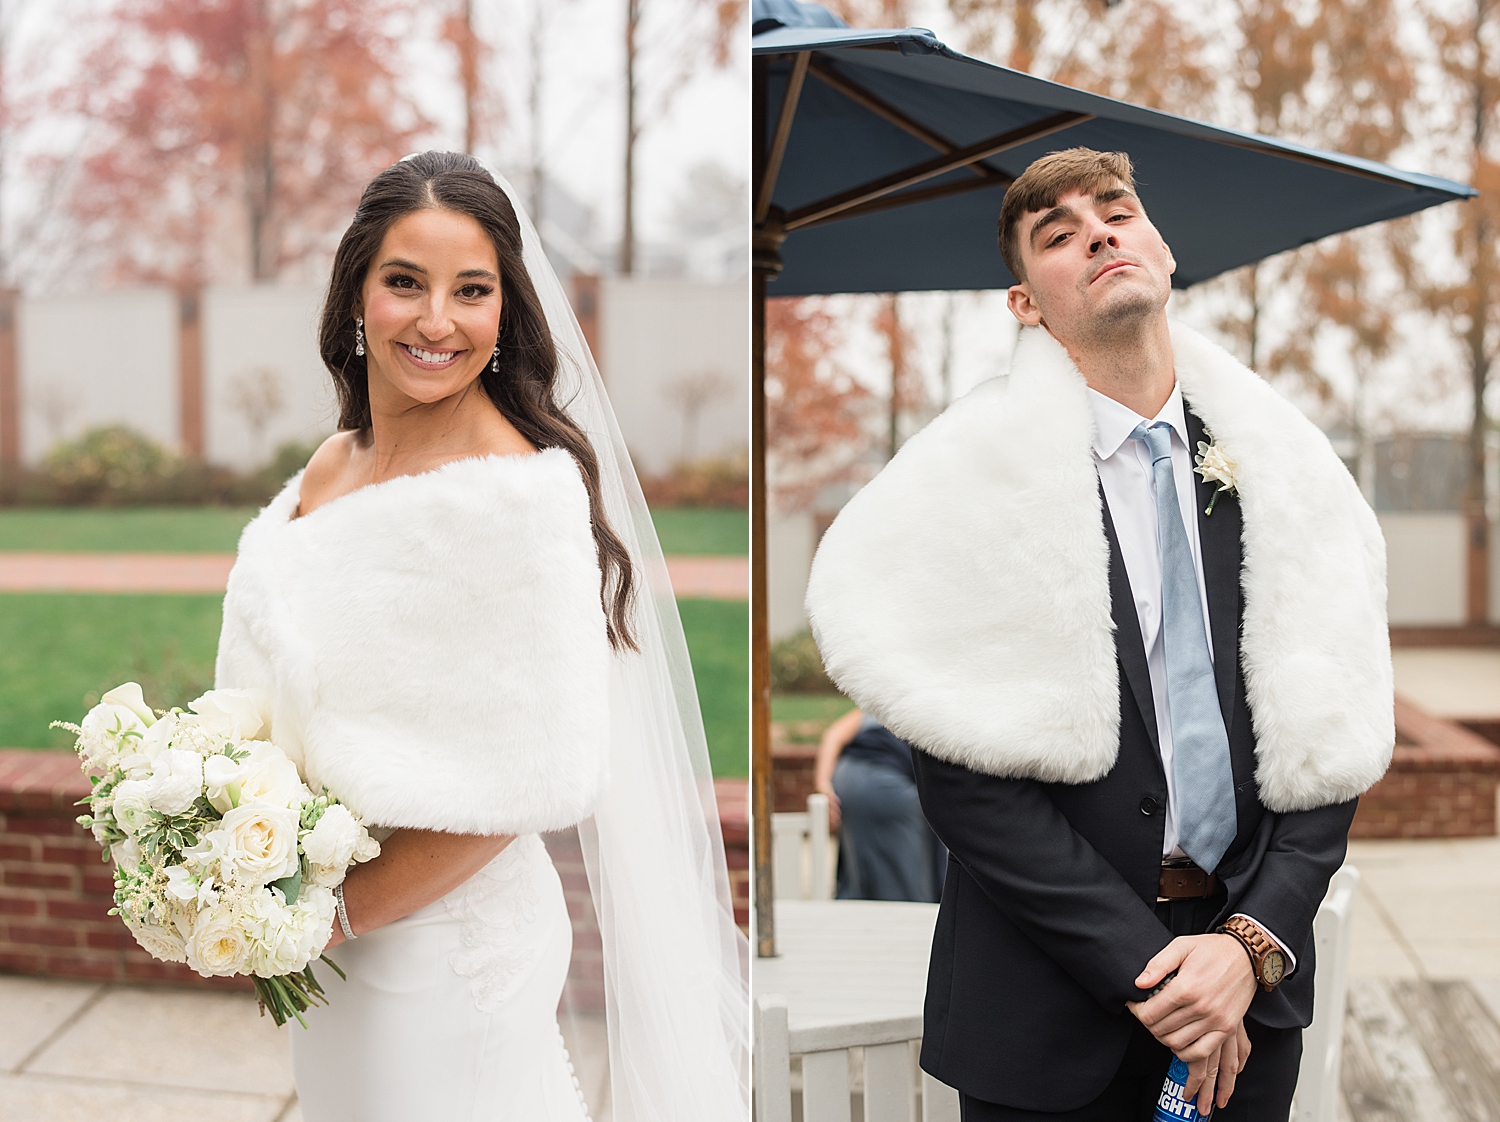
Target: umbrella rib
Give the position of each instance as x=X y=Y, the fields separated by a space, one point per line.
x=830 y=75
x=912 y=198
x=783 y=131
x=833 y=205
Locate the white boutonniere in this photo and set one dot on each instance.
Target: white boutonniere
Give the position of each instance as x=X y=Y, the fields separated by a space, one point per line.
x=1214 y=466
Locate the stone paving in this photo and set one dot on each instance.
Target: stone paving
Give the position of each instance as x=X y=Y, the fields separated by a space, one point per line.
x=78 y=1051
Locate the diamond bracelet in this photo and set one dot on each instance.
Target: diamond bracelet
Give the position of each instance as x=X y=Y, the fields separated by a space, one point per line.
x=338 y=898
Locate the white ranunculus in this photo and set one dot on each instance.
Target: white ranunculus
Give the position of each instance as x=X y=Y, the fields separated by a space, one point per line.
x=219 y=774
x=262 y=844
x=234 y=714
x=129 y=695
x=218 y=946
x=334 y=839
x=126 y=854
x=164 y=943
x=269 y=777
x=176 y=781
x=132 y=805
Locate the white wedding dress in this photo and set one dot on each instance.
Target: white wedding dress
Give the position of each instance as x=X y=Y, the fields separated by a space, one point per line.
x=438 y=672
x=463 y=995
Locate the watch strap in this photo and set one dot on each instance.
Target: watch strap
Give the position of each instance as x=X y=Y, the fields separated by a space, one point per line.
x=1258 y=945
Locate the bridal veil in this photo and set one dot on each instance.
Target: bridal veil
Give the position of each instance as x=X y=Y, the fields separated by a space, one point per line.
x=675 y=965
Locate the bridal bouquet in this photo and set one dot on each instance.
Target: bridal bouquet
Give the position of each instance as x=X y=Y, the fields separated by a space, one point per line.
x=224 y=859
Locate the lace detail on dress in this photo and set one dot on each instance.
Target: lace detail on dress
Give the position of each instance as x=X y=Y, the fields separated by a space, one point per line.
x=493 y=907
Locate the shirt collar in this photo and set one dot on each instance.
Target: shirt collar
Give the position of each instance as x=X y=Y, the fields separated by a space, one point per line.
x=1113 y=422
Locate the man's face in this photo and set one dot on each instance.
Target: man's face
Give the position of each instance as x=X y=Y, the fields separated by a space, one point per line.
x=1094 y=263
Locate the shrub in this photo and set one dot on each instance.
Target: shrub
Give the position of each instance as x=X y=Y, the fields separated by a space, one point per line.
x=116 y=466
x=723 y=481
x=797 y=667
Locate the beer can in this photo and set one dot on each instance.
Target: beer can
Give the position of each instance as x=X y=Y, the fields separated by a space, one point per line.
x=1172 y=1106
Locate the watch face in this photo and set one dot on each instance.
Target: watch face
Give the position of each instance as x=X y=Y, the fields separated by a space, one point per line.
x=1273 y=967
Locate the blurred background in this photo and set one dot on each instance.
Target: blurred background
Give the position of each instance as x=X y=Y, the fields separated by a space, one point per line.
x=174 y=177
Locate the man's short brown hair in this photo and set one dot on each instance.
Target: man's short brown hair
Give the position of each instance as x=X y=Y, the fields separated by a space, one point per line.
x=1047 y=180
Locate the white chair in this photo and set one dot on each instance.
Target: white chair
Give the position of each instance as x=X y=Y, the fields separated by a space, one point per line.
x=804 y=854
x=1317 y=1098
x=891 y=1088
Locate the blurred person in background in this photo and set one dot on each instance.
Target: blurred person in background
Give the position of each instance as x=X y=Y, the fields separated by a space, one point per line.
x=886 y=849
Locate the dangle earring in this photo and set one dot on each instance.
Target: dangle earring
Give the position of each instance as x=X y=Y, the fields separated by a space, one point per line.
x=495 y=358
x=359 y=335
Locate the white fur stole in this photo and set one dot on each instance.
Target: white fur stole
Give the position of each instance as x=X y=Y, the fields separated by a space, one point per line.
x=962 y=597
x=434 y=645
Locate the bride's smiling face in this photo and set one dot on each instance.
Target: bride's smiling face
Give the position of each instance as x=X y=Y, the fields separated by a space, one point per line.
x=431 y=307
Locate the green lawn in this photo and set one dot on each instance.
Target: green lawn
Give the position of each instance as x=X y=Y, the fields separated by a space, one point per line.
x=205 y=529
x=58 y=651
x=217 y=529
x=809 y=706
x=718 y=637
x=703 y=530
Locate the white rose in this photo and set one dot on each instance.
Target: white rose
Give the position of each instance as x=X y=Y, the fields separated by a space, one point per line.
x=218 y=946
x=132 y=805
x=234 y=714
x=129 y=695
x=162 y=943
x=126 y=854
x=262 y=843
x=269 y=777
x=219 y=774
x=176 y=781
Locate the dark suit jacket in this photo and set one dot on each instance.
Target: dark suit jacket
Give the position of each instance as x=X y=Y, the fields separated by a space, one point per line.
x=1048 y=909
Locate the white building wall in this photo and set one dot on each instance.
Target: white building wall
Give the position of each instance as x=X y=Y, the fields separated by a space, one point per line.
x=260 y=352
x=97 y=359
x=1424 y=567
x=657 y=337
x=791 y=540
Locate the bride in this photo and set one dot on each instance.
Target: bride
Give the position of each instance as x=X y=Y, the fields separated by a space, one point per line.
x=461 y=614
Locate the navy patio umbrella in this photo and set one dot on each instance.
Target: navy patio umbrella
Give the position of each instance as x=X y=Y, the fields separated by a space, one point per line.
x=882 y=157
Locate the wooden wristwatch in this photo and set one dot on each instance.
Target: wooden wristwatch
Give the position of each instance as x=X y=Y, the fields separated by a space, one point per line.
x=1266 y=959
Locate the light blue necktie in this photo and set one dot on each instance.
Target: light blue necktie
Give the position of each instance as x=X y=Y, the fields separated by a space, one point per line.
x=1203 y=788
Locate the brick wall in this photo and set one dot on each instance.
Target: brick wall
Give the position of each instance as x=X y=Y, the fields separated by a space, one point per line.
x=55 y=892
x=1441 y=783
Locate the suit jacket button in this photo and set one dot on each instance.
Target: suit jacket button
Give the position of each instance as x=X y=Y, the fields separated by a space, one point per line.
x=1148 y=806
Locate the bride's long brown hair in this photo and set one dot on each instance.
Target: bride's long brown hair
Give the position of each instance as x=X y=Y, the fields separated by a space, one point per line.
x=522 y=388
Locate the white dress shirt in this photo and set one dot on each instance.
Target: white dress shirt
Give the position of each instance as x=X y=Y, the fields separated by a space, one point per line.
x=1125 y=471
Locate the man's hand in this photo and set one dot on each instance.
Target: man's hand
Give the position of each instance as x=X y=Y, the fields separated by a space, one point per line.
x=1202 y=1006
x=1232 y=1056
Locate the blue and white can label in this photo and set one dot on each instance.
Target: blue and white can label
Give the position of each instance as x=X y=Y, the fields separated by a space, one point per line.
x=1171 y=1106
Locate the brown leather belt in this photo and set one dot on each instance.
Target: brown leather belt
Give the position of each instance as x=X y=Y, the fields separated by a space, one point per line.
x=1183 y=880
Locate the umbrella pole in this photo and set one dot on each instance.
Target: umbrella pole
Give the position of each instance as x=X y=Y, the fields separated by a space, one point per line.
x=762 y=801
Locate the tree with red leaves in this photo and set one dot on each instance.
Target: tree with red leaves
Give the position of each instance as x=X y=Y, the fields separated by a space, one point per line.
x=815 y=411
x=234 y=135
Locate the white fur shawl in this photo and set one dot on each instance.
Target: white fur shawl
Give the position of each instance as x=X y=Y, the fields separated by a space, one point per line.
x=962 y=597
x=434 y=645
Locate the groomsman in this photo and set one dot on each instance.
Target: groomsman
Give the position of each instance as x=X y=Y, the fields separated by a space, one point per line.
x=1128 y=607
